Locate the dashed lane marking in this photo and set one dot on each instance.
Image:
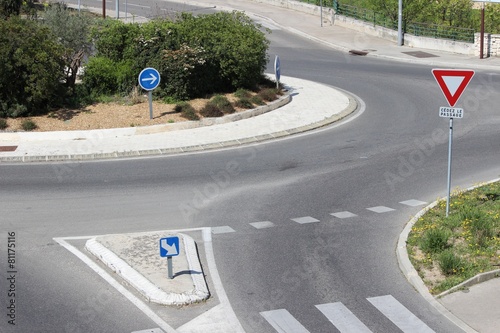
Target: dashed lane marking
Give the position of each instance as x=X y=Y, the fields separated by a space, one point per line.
x=343 y=215
x=413 y=203
x=305 y=219
x=380 y=209
x=222 y=230
x=262 y=224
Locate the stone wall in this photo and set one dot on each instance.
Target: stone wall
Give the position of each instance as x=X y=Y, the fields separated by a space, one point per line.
x=491 y=46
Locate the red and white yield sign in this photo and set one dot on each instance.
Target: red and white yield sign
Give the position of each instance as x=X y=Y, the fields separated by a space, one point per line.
x=452 y=82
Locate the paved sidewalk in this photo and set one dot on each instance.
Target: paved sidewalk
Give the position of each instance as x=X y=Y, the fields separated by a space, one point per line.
x=312 y=105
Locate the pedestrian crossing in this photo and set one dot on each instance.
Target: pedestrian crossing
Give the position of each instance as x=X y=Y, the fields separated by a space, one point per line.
x=346 y=322
x=310 y=219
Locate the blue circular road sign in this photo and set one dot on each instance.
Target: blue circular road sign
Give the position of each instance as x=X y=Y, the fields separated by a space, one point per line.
x=277 y=69
x=149 y=78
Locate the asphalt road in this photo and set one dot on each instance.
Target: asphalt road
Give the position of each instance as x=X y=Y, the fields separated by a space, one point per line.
x=395 y=150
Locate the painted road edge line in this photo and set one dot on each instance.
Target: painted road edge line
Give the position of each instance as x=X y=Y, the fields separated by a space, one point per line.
x=102 y=273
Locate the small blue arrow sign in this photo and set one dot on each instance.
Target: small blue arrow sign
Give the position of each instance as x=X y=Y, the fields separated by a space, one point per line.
x=149 y=78
x=169 y=247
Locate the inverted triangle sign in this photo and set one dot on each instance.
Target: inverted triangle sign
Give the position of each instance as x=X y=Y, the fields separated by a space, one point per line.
x=452 y=82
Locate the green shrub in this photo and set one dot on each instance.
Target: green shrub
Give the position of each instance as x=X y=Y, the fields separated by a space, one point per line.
x=115 y=40
x=434 y=240
x=3 y=124
x=236 y=48
x=31 y=68
x=450 y=263
x=184 y=69
x=242 y=93
x=257 y=100
x=223 y=104
x=483 y=230
x=244 y=103
x=103 y=76
x=28 y=125
x=186 y=111
x=268 y=94
x=211 y=110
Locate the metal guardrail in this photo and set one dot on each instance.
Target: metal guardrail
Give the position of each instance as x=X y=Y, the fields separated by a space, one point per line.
x=367 y=16
x=441 y=32
x=416 y=29
x=326 y=3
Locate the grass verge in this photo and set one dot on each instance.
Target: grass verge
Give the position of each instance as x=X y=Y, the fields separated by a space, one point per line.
x=447 y=251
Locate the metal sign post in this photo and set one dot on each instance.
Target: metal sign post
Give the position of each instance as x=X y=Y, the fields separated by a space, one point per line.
x=169 y=247
x=450 y=141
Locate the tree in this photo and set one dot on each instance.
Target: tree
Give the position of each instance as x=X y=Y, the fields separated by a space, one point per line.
x=456 y=13
x=73 y=33
x=31 y=68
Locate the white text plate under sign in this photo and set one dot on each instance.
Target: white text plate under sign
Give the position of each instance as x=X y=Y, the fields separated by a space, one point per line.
x=447 y=112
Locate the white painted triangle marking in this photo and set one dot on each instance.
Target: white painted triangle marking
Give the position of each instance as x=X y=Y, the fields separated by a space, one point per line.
x=453 y=82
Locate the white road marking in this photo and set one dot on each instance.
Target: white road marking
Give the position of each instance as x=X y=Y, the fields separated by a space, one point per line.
x=305 y=219
x=152 y=330
x=102 y=273
x=399 y=315
x=262 y=225
x=413 y=203
x=283 y=322
x=222 y=230
x=343 y=215
x=342 y=318
x=380 y=209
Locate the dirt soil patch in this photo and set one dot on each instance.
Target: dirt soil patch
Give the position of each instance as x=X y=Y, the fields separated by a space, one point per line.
x=108 y=115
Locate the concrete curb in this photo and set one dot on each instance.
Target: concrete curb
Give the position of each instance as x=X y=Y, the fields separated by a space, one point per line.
x=412 y=275
x=483 y=277
x=352 y=106
x=145 y=287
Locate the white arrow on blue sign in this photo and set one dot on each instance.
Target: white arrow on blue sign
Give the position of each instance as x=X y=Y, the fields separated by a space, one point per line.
x=149 y=78
x=169 y=247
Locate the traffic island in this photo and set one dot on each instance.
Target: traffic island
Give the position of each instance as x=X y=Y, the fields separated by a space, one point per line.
x=136 y=259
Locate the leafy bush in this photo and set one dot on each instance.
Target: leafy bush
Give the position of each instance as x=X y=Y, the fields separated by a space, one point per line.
x=3 y=124
x=195 y=56
x=28 y=125
x=187 y=111
x=211 y=110
x=114 y=39
x=223 y=104
x=236 y=49
x=183 y=68
x=31 y=68
x=104 y=76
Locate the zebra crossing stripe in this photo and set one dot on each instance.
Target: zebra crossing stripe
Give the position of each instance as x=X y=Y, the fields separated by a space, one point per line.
x=342 y=318
x=399 y=315
x=283 y=322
